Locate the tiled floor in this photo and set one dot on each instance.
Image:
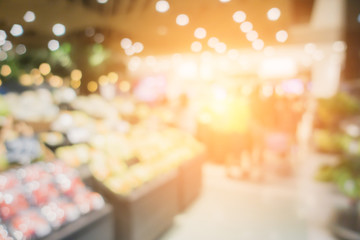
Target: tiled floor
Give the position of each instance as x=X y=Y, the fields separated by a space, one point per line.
x=237 y=210
x=292 y=208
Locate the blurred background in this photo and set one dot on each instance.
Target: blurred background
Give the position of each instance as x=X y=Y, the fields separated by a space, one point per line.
x=173 y=120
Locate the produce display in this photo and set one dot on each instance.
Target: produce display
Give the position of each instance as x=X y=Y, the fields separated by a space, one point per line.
x=122 y=155
x=337 y=127
x=42 y=197
x=331 y=111
x=32 y=106
x=126 y=162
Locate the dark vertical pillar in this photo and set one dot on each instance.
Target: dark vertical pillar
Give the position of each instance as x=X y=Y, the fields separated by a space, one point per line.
x=352 y=38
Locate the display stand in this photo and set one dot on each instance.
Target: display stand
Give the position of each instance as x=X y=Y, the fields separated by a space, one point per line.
x=147 y=212
x=97 y=225
x=346 y=225
x=190 y=180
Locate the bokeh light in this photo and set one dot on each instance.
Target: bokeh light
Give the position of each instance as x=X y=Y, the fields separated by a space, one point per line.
x=103 y=80
x=124 y=86
x=273 y=14
x=59 y=29
x=239 y=16
x=212 y=42
x=53 y=45
x=252 y=36
x=220 y=47
x=44 y=69
x=281 y=36
x=26 y=80
x=3 y=35
x=196 y=46
x=3 y=55
x=138 y=47
x=246 y=27
x=16 y=30
x=7 y=46
x=125 y=43
x=29 y=16
x=20 y=49
x=99 y=38
x=162 y=6
x=5 y=70
x=200 y=33
x=182 y=20
x=92 y=86
x=76 y=74
x=258 y=44
x=339 y=46
x=113 y=77
x=55 y=81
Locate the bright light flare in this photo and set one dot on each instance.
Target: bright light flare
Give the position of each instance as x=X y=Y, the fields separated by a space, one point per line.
x=162 y=6
x=59 y=29
x=239 y=16
x=182 y=20
x=273 y=14
x=16 y=30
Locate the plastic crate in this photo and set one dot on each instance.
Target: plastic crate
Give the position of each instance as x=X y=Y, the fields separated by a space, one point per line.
x=148 y=211
x=96 y=225
x=190 y=180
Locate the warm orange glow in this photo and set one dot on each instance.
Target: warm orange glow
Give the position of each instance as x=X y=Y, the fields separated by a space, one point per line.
x=75 y=83
x=55 y=81
x=76 y=74
x=26 y=80
x=113 y=77
x=5 y=70
x=103 y=80
x=92 y=86
x=124 y=86
x=44 y=69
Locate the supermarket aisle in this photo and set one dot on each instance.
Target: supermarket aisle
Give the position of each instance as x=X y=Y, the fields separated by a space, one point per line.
x=233 y=210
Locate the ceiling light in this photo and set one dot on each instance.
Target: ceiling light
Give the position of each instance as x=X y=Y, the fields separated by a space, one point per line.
x=246 y=27
x=200 y=33
x=7 y=46
x=196 y=46
x=3 y=35
x=53 y=45
x=162 y=6
x=273 y=14
x=125 y=43
x=59 y=29
x=182 y=19
x=16 y=30
x=252 y=36
x=29 y=16
x=239 y=16
x=3 y=55
x=220 y=47
x=20 y=49
x=212 y=42
x=99 y=38
x=138 y=47
x=258 y=44
x=102 y=1
x=281 y=36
